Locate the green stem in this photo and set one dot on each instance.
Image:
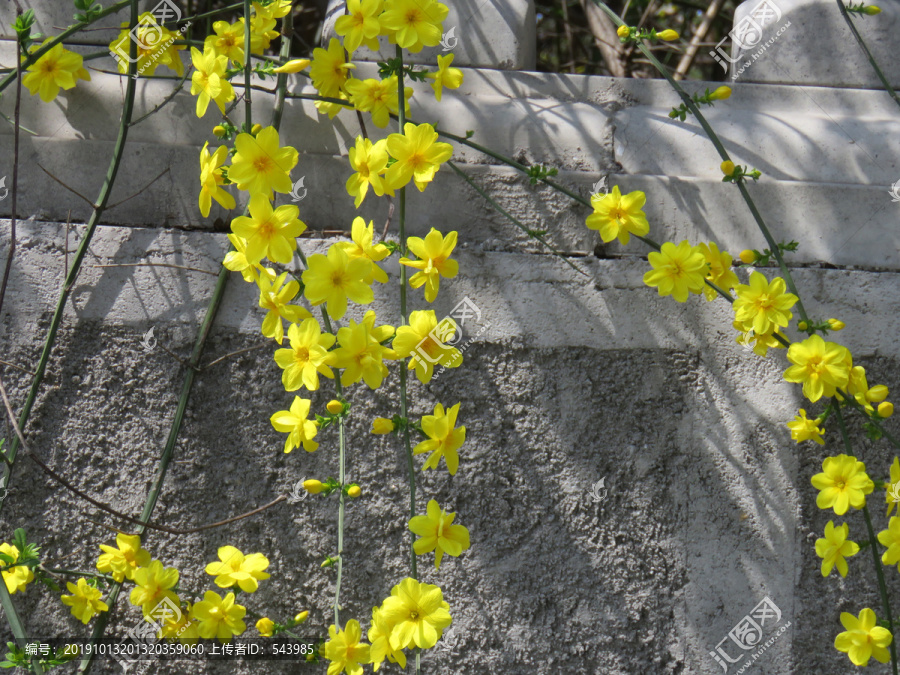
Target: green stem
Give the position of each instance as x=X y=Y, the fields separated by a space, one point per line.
x=287 y=30
x=862 y=44
x=340 y=550
x=248 y=70
x=882 y=587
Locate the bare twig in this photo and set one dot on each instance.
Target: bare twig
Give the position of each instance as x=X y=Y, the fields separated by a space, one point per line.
x=122 y=201
x=13 y=365
x=696 y=39
x=166 y=100
x=149 y=264
x=70 y=189
x=239 y=351
x=604 y=32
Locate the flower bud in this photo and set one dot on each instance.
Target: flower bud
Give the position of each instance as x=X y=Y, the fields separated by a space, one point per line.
x=877 y=393
x=836 y=324
x=872 y=10
x=334 y=406
x=313 y=487
x=727 y=167
x=720 y=94
x=885 y=409
x=668 y=35
x=623 y=31
x=301 y=617
x=382 y=425
x=219 y=131
x=265 y=627
x=354 y=491
x=802 y=325
x=255 y=129
x=293 y=66
x=747 y=256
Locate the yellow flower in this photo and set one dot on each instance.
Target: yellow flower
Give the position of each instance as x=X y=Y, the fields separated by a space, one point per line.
x=821 y=366
x=720 y=272
x=275 y=296
x=746 y=256
x=763 y=305
x=803 y=429
x=872 y=10
x=890 y=538
x=858 y=387
x=361 y=354
x=443 y=438
x=836 y=324
x=18 y=577
x=863 y=639
x=219 y=617
x=677 y=270
x=265 y=626
x=58 y=68
x=122 y=562
x=294 y=422
x=362 y=247
x=275 y=10
x=360 y=25
x=328 y=70
x=368 y=160
x=235 y=569
x=445 y=76
x=382 y=425
x=414 y=24
x=228 y=41
x=261 y=32
x=727 y=168
x=211 y=179
x=417 y=614
x=269 y=233
x=344 y=649
x=354 y=491
x=380 y=637
x=208 y=81
x=618 y=216
x=152 y=586
x=378 y=97
x=885 y=409
x=85 y=601
x=184 y=627
x=424 y=340
x=334 y=407
x=307 y=358
x=155 y=46
x=261 y=165
x=893 y=490
x=237 y=261
x=433 y=262
x=667 y=35
x=301 y=617
x=720 y=94
x=418 y=155
x=835 y=547
x=293 y=66
x=334 y=278
x=623 y=31
x=842 y=484
x=761 y=341
x=438 y=533
x=313 y=487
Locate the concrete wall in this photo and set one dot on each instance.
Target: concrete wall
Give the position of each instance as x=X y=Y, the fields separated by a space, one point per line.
x=575 y=378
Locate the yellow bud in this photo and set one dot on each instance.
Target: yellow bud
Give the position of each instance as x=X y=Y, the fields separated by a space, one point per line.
x=727 y=167
x=334 y=406
x=623 y=31
x=747 y=256
x=313 y=487
x=382 y=425
x=872 y=10
x=354 y=491
x=668 y=35
x=301 y=617
x=720 y=94
x=219 y=131
x=311 y=657
x=836 y=324
x=885 y=409
x=255 y=129
x=877 y=393
x=293 y=66
x=265 y=627
x=802 y=325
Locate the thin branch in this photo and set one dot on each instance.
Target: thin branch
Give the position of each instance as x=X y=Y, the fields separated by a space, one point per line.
x=149 y=264
x=239 y=351
x=167 y=99
x=696 y=39
x=70 y=189
x=13 y=365
x=163 y=173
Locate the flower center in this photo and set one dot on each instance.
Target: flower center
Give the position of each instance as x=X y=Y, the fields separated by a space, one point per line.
x=301 y=354
x=262 y=164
